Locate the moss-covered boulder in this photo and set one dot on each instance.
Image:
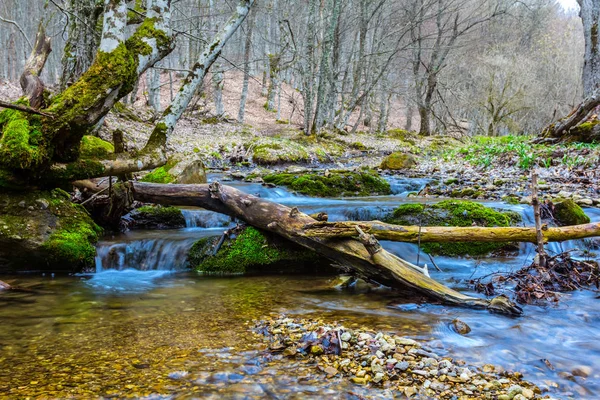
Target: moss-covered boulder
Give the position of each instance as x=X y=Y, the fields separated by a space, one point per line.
x=454 y=213
x=161 y=174
x=567 y=212
x=178 y=170
x=279 y=151
x=94 y=147
x=251 y=250
x=155 y=217
x=398 y=160
x=44 y=230
x=333 y=184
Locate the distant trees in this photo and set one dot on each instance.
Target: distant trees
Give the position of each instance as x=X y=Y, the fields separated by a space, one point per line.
x=348 y=64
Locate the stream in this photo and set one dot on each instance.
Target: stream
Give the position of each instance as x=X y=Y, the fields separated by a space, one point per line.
x=142 y=326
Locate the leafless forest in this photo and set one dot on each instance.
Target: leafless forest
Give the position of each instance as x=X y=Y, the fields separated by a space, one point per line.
x=492 y=66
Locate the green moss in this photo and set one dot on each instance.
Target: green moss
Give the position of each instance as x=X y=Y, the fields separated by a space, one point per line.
x=454 y=213
x=334 y=185
x=567 y=212
x=403 y=135
x=397 y=161
x=451 y=181
x=158 y=217
x=161 y=174
x=408 y=209
x=358 y=146
x=21 y=141
x=251 y=249
x=278 y=151
x=71 y=244
x=94 y=147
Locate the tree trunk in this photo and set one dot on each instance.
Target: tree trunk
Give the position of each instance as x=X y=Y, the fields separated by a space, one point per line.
x=218 y=82
x=165 y=126
x=364 y=256
x=247 y=51
x=83 y=39
x=32 y=85
x=590 y=17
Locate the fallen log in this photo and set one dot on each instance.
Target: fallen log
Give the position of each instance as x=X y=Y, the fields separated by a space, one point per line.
x=363 y=255
x=411 y=234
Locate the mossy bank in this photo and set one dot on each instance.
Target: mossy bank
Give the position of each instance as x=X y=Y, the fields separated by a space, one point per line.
x=252 y=250
x=454 y=213
x=45 y=230
x=333 y=184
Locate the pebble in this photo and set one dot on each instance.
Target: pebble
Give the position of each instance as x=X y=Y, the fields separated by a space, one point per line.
x=395 y=363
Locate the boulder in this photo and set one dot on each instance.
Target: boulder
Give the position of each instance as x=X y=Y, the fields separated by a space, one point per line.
x=567 y=212
x=398 y=160
x=44 y=230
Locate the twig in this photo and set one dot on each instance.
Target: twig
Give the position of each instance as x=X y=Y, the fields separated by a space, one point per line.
x=434 y=264
x=25 y=109
x=95 y=195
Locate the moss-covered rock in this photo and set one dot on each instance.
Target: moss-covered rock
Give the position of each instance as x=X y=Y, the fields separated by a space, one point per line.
x=251 y=250
x=454 y=213
x=398 y=160
x=279 y=151
x=42 y=230
x=333 y=184
x=567 y=212
x=161 y=174
x=156 y=217
x=94 y=147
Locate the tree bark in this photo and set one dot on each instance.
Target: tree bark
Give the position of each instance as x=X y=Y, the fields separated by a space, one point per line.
x=32 y=85
x=364 y=256
x=589 y=11
x=247 y=51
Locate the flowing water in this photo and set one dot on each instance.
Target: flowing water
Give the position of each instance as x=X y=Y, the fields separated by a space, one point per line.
x=142 y=326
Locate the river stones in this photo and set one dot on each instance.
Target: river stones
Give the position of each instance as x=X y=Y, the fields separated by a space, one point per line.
x=401 y=365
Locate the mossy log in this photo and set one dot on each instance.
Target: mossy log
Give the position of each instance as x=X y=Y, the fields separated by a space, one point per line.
x=445 y=234
x=365 y=256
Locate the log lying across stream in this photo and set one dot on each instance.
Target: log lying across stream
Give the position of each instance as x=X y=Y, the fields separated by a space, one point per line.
x=361 y=254
x=413 y=234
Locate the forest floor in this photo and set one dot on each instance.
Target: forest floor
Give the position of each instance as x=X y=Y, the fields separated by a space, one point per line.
x=463 y=167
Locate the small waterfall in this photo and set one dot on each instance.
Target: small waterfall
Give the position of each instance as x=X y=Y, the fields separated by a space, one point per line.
x=144 y=255
x=404 y=186
x=362 y=213
x=196 y=218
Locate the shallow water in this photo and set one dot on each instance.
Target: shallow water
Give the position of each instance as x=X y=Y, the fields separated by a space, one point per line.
x=142 y=327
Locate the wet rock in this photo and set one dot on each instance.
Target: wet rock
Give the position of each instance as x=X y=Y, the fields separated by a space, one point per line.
x=582 y=370
x=567 y=212
x=398 y=160
x=42 y=203
x=460 y=327
x=402 y=366
x=189 y=172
